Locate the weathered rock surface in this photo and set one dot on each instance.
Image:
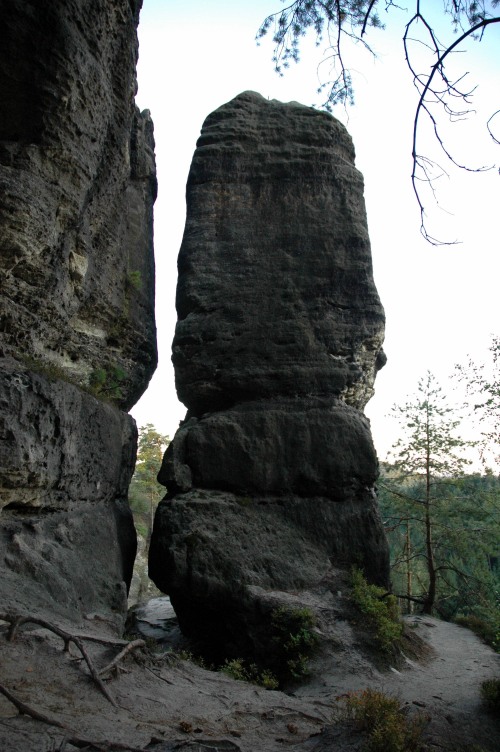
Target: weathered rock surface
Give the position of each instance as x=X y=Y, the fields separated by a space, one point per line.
x=271 y=477
x=77 y=186
x=66 y=459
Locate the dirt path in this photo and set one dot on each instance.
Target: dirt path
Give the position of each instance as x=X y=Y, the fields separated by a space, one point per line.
x=446 y=687
x=171 y=705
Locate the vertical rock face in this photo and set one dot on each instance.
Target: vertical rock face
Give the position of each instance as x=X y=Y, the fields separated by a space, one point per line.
x=77 y=329
x=77 y=185
x=271 y=477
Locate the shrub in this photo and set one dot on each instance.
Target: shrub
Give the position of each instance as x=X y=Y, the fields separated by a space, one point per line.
x=387 y=727
x=487 y=628
x=490 y=693
x=238 y=669
x=294 y=641
x=381 y=610
x=107 y=383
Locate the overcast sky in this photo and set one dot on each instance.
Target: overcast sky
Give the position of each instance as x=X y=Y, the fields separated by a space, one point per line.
x=441 y=303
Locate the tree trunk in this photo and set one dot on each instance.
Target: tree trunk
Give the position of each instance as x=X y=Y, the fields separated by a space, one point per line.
x=408 y=568
x=431 y=567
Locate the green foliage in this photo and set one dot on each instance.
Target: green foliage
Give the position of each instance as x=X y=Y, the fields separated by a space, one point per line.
x=487 y=626
x=198 y=660
x=294 y=641
x=145 y=492
x=386 y=725
x=490 y=693
x=337 y=23
x=326 y=17
x=419 y=488
x=49 y=370
x=381 y=610
x=239 y=669
x=104 y=383
x=134 y=278
x=464 y=518
x=107 y=383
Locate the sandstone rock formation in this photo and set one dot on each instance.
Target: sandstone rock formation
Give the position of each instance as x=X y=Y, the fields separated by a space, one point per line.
x=271 y=476
x=77 y=186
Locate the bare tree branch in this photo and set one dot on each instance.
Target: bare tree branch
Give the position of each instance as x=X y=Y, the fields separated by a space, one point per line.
x=350 y=19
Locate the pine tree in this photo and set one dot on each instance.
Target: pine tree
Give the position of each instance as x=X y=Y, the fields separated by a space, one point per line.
x=429 y=463
x=145 y=492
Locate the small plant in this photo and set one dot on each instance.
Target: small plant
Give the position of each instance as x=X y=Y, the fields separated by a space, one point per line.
x=294 y=641
x=135 y=280
x=488 y=629
x=107 y=383
x=490 y=693
x=187 y=655
x=268 y=680
x=381 y=718
x=239 y=670
x=380 y=608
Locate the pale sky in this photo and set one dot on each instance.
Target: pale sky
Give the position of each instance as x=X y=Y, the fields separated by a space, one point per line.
x=441 y=303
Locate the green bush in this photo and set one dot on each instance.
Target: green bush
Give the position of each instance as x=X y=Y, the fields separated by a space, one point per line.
x=107 y=383
x=293 y=640
x=487 y=628
x=381 y=610
x=387 y=727
x=490 y=693
x=238 y=669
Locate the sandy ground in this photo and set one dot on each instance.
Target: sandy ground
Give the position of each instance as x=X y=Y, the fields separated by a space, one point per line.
x=163 y=703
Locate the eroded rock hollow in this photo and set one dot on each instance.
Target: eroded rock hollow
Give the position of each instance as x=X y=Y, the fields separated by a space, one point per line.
x=78 y=344
x=271 y=476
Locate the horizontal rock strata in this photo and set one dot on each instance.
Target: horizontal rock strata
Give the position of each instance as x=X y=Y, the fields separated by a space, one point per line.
x=77 y=185
x=77 y=328
x=271 y=477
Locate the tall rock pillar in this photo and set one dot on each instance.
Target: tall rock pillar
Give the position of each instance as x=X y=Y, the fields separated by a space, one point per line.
x=271 y=476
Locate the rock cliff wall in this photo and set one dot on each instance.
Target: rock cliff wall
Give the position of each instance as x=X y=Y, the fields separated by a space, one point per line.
x=78 y=342
x=271 y=477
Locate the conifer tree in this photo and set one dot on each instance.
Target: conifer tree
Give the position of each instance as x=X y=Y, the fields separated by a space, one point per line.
x=429 y=462
x=145 y=492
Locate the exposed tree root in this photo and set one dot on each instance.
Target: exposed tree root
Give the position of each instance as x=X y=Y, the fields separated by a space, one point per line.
x=27 y=710
x=17 y=621
x=129 y=647
x=69 y=738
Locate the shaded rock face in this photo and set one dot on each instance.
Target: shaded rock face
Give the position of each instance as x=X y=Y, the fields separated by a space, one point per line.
x=271 y=476
x=66 y=459
x=77 y=186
